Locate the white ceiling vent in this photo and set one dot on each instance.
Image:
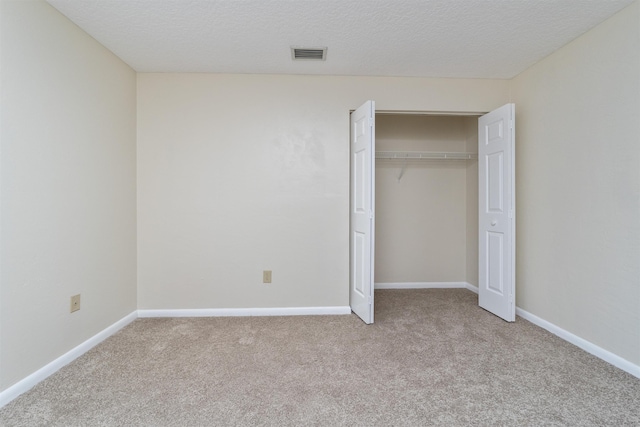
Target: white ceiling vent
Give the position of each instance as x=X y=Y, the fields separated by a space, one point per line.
x=308 y=53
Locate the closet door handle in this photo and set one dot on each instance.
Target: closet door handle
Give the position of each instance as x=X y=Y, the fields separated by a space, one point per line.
x=493 y=223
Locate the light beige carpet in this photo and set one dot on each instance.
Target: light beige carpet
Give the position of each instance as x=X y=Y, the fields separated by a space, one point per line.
x=432 y=358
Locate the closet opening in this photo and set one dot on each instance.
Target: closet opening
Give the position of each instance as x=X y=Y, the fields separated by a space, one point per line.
x=426 y=201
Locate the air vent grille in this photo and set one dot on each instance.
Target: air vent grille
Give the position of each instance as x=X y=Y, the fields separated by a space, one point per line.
x=308 y=53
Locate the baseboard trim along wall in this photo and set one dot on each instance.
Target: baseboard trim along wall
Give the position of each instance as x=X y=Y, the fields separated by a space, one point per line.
x=471 y=287
x=242 y=312
x=27 y=383
x=587 y=346
x=420 y=285
x=427 y=285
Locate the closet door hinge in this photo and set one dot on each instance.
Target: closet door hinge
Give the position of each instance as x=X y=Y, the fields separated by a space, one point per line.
x=370 y=121
x=370 y=214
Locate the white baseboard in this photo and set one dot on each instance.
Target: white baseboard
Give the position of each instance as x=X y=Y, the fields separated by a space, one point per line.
x=472 y=288
x=27 y=383
x=427 y=285
x=227 y=312
x=421 y=285
x=587 y=346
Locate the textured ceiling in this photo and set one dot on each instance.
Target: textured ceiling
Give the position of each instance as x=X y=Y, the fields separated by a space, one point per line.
x=430 y=38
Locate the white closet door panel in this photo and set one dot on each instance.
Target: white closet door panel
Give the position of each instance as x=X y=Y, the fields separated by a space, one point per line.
x=496 y=200
x=361 y=218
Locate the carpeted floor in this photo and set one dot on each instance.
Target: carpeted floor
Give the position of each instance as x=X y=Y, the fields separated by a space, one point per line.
x=432 y=358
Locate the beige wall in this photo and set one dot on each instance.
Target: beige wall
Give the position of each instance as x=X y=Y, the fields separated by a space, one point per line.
x=578 y=186
x=421 y=224
x=242 y=173
x=68 y=187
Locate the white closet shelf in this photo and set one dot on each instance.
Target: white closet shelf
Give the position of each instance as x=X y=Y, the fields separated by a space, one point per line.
x=417 y=155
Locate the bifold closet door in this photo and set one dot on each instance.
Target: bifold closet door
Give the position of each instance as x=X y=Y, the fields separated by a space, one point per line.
x=361 y=211
x=496 y=200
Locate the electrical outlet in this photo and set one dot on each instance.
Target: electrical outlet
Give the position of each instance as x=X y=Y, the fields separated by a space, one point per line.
x=75 y=303
x=266 y=276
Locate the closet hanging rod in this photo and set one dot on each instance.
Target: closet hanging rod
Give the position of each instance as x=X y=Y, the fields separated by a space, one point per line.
x=417 y=155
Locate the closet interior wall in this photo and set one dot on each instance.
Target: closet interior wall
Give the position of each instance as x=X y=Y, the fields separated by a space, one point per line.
x=426 y=210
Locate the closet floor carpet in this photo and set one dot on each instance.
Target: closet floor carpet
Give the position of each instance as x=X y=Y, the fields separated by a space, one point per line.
x=432 y=358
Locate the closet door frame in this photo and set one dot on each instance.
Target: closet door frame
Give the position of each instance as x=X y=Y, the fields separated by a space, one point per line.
x=445 y=113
